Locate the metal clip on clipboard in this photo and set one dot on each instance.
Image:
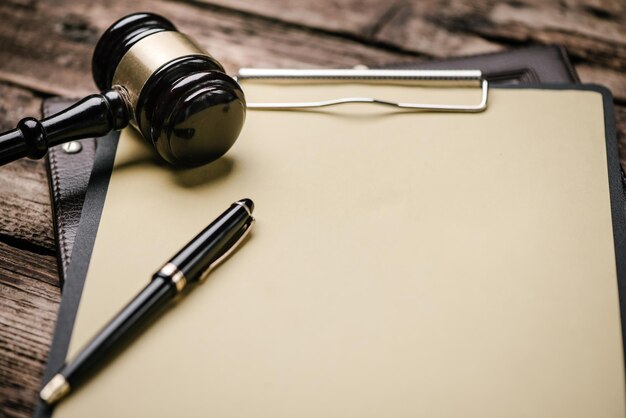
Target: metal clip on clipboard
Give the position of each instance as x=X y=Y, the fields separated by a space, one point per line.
x=439 y=78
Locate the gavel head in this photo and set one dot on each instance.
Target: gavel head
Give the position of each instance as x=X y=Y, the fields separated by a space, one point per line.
x=179 y=97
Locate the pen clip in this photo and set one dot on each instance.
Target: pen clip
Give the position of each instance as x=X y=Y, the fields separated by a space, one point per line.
x=236 y=242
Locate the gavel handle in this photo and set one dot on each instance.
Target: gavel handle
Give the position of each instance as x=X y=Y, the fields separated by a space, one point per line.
x=95 y=115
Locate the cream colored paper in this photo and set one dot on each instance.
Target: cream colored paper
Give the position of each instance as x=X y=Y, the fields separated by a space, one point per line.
x=402 y=265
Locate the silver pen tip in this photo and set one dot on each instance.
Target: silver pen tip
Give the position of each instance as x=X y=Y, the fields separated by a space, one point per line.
x=54 y=390
x=248 y=203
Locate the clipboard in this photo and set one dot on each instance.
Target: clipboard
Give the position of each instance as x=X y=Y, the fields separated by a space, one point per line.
x=105 y=160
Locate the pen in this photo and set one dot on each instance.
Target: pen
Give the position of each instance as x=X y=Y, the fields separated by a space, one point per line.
x=189 y=265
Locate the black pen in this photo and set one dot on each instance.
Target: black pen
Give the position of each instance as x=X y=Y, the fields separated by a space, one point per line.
x=190 y=265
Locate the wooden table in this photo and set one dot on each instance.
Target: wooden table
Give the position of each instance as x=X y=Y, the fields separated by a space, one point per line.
x=45 y=50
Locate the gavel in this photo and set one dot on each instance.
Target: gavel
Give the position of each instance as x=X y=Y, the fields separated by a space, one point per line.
x=156 y=79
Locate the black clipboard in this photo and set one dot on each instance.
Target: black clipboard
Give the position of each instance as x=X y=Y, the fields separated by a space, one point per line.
x=97 y=190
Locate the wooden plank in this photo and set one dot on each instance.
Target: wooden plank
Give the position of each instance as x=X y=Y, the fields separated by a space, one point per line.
x=400 y=24
x=593 y=31
x=417 y=26
x=29 y=298
x=61 y=37
x=48 y=48
x=29 y=293
x=26 y=220
x=338 y=16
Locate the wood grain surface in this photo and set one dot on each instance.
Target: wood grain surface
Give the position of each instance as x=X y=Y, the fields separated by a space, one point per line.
x=45 y=50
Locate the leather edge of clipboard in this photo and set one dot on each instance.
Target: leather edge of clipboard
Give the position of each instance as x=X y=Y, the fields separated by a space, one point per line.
x=618 y=203
x=68 y=178
x=77 y=271
x=618 y=200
